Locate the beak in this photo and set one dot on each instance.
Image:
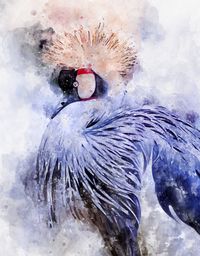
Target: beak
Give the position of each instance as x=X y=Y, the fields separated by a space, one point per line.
x=65 y=101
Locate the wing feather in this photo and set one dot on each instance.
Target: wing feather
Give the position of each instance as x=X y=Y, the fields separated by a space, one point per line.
x=104 y=155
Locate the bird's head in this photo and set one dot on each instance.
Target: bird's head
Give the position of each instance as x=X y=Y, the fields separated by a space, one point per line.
x=98 y=49
x=95 y=57
x=80 y=85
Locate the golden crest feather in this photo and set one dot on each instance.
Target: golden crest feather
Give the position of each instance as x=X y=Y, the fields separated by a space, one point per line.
x=99 y=49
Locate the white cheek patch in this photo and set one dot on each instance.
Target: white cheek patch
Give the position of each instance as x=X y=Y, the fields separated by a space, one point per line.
x=86 y=85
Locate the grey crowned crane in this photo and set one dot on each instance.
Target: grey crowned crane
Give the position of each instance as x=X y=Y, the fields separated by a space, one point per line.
x=93 y=155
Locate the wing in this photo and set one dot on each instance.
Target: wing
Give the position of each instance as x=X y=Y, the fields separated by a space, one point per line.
x=176 y=165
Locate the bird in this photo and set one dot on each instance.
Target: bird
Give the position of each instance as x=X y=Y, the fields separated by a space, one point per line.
x=94 y=154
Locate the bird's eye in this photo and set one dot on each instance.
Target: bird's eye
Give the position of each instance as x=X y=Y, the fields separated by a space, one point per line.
x=76 y=84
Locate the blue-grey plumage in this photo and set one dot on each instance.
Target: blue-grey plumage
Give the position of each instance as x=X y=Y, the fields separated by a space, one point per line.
x=92 y=158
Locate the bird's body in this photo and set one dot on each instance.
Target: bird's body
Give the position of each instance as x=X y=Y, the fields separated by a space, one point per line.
x=95 y=150
x=92 y=158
